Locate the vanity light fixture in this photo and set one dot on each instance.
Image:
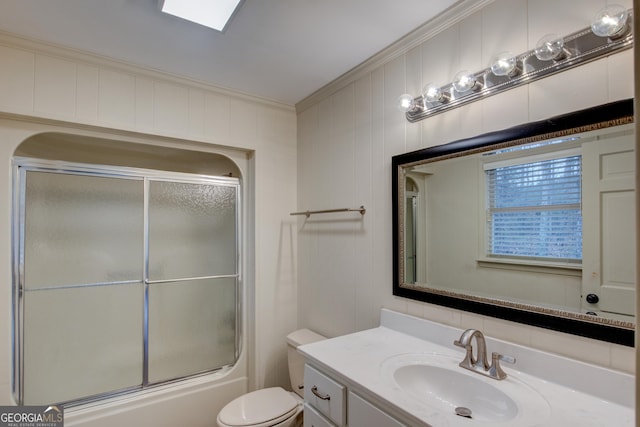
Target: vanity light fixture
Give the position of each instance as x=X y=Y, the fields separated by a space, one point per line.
x=434 y=94
x=407 y=103
x=610 y=32
x=505 y=64
x=611 y=22
x=550 y=48
x=464 y=81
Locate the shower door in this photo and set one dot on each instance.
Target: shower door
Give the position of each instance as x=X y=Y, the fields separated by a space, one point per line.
x=192 y=278
x=123 y=279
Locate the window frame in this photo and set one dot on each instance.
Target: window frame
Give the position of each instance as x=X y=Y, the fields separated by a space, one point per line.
x=514 y=158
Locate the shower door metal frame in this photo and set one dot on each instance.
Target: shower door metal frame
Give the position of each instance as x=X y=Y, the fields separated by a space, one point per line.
x=20 y=167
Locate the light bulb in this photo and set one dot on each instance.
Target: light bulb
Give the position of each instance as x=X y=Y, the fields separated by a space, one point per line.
x=433 y=93
x=465 y=81
x=550 y=47
x=406 y=103
x=505 y=64
x=610 y=21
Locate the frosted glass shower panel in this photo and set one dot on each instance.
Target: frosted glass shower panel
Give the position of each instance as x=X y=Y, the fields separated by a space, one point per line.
x=192 y=230
x=82 y=341
x=124 y=278
x=82 y=229
x=192 y=327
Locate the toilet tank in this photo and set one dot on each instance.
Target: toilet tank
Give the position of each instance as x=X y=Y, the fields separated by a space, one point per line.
x=296 y=360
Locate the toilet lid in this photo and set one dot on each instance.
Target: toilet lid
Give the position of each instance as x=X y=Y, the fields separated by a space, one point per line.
x=258 y=407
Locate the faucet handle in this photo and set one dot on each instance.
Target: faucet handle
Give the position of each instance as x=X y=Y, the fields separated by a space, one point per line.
x=504 y=357
x=495 y=370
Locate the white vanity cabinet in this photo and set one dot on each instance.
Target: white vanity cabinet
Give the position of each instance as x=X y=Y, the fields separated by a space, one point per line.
x=364 y=414
x=546 y=389
x=328 y=403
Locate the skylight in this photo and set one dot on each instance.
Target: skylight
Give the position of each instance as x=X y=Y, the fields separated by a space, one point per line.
x=210 y=13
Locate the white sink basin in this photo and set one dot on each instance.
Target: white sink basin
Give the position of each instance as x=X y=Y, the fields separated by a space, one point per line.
x=438 y=382
x=452 y=389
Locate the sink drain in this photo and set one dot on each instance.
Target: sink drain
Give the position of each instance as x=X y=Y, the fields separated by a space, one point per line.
x=461 y=411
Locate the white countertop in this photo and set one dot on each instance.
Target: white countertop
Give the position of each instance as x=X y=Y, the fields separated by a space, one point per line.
x=578 y=394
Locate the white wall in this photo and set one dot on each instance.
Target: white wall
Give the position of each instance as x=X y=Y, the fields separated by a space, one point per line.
x=345 y=144
x=348 y=133
x=47 y=88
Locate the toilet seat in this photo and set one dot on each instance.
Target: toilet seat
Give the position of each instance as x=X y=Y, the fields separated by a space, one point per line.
x=261 y=408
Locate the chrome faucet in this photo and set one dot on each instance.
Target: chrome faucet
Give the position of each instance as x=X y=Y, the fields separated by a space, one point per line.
x=479 y=363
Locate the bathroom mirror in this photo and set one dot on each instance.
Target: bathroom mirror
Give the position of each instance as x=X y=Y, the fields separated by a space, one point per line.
x=533 y=224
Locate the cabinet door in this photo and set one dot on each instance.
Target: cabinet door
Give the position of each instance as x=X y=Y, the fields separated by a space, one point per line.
x=364 y=414
x=314 y=419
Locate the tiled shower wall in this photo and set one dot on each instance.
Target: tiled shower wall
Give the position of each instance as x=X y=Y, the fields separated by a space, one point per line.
x=346 y=140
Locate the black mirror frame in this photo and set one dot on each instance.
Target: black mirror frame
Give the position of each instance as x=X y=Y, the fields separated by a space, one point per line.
x=611 y=114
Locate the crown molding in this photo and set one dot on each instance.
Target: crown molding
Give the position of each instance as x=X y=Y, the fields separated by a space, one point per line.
x=448 y=18
x=80 y=56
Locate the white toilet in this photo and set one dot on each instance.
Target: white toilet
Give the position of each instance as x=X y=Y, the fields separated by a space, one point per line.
x=273 y=407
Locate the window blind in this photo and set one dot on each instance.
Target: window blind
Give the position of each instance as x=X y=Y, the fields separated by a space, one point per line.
x=534 y=210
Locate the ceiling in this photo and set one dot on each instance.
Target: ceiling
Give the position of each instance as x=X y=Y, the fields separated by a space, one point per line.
x=282 y=50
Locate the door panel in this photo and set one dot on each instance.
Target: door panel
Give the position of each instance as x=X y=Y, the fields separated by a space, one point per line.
x=609 y=215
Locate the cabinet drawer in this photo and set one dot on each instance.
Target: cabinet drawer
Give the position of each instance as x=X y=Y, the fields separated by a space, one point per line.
x=314 y=419
x=325 y=395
